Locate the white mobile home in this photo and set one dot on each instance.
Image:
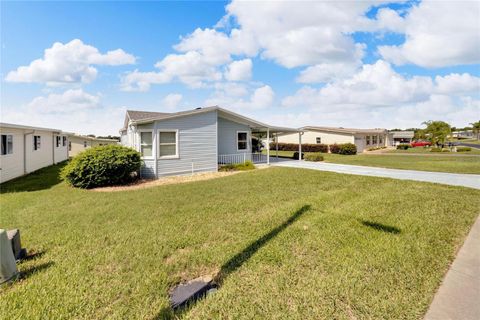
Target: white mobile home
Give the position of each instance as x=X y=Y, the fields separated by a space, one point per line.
x=193 y=141
x=25 y=149
x=78 y=143
x=362 y=138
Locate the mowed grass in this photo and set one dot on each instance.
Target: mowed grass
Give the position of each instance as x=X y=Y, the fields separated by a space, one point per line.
x=423 y=150
x=440 y=163
x=288 y=243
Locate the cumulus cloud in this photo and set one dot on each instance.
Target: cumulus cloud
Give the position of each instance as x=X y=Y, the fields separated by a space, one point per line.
x=260 y=98
x=66 y=102
x=240 y=70
x=72 y=62
x=171 y=101
x=438 y=34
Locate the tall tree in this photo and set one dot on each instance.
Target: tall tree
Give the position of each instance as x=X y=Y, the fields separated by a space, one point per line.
x=476 y=129
x=437 y=131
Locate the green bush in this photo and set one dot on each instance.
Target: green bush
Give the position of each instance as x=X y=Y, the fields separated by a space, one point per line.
x=435 y=149
x=345 y=148
x=102 y=166
x=445 y=150
x=295 y=155
x=463 y=149
x=403 y=146
x=313 y=157
x=247 y=165
x=306 y=147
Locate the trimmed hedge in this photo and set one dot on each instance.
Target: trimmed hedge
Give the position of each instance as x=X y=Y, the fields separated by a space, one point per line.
x=463 y=149
x=247 y=165
x=403 y=146
x=435 y=149
x=306 y=147
x=345 y=149
x=102 y=166
x=313 y=157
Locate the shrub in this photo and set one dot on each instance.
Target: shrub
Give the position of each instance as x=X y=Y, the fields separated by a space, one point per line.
x=334 y=148
x=295 y=155
x=345 y=148
x=403 y=146
x=313 y=157
x=445 y=150
x=247 y=165
x=463 y=149
x=306 y=147
x=435 y=149
x=102 y=166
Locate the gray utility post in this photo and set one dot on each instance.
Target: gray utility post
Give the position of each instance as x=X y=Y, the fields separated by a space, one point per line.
x=8 y=267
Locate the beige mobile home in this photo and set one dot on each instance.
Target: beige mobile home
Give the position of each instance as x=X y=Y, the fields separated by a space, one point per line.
x=80 y=143
x=362 y=138
x=25 y=149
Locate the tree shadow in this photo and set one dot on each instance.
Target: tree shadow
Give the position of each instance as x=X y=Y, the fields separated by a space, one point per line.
x=42 y=179
x=33 y=255
x=381 y=227
x=235 y=262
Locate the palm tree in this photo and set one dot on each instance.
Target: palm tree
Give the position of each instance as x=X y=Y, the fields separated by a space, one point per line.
x=476 y=129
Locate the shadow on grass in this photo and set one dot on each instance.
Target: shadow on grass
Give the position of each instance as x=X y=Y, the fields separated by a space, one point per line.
x=41 y=179
x=236 y=262
x=380 y=227
x=33 y=255
x=34 y=269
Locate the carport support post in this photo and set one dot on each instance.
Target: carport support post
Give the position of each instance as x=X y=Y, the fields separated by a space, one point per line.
x=300 y=146
x=268 y=146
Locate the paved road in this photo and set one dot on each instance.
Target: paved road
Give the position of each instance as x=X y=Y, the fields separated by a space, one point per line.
x=466 y=144
x=459 y=294
x=454 y=179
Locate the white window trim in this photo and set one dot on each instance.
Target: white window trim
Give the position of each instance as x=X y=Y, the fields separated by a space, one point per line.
x=316 y=140
x=177 y=155
x=64 y=139
x=7 y=134
x=34 y=145
x=242 y=150
x=139 y=149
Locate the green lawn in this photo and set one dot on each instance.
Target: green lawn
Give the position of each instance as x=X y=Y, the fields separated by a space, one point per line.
x=287 y=243
x=423 y=150
x=440 y=163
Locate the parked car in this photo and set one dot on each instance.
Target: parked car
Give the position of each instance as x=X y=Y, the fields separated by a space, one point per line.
x=421 y=143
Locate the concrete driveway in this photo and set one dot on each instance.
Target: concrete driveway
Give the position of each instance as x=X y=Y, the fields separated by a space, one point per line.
x=453 y=179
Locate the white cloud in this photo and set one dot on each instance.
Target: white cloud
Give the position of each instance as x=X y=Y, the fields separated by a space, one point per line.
x=438 y=34
x=327 y=72
x=240 y=70
x=457 y=83
x=171 y=101
x=68 y=63
x=260 y=98
x=66 y=102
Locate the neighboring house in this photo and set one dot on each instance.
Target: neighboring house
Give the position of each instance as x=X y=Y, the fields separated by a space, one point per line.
x=80 y=143
x=25 y=149
x=362 y=138
x=193 y=141
x=397 y=137
x=465 y=134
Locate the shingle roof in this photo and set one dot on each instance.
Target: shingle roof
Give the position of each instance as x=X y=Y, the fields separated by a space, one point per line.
x=141 y=115
x=344 y=130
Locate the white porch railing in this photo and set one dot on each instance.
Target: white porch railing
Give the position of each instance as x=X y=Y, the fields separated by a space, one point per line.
x=241 y=158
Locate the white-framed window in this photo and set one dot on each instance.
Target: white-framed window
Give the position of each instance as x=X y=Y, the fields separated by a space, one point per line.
x=146 y=143
x=37 y=142
x=242 y=140
x=319 y=140
x=6 y=144
x=368 y=140
x=374 y=139
x=84 y=144
x=168 y=144
x=64 y=141
x=58 y=141
x=380 y=139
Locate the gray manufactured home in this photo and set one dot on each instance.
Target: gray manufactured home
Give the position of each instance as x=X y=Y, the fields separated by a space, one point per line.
x=194 y=141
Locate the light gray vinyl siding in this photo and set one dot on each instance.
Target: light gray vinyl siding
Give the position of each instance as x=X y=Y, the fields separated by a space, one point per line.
x=227 y=137
x=197 y=145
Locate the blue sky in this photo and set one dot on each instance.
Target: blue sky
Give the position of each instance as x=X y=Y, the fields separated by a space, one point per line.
x=354 y=64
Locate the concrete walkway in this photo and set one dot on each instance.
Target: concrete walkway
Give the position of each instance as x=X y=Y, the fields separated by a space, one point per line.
x=454 y=179
x=459 y=294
